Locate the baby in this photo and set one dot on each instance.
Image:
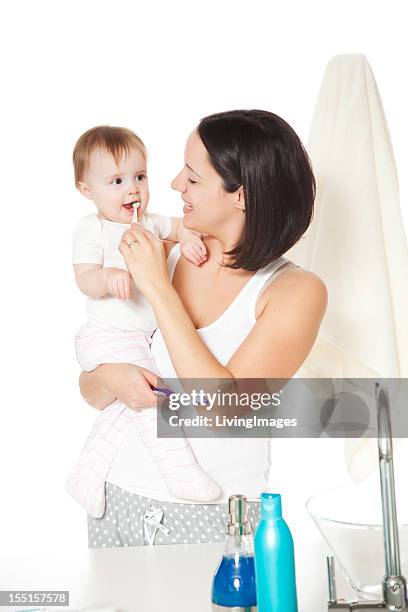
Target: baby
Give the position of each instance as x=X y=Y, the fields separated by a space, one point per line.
x=110 y=170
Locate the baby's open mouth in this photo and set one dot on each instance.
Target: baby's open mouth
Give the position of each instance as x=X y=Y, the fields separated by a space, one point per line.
x=132 y=205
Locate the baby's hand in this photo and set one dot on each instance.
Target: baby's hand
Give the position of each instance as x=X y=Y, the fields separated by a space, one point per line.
x=193 y=249
x=118 y=283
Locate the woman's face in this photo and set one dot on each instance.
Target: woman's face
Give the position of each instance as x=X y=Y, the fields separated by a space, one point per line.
x=208 y=208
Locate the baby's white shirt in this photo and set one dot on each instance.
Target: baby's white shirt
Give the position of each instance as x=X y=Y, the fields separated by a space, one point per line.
x=96 y=241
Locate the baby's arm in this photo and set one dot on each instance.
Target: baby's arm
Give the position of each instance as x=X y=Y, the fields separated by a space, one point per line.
x=96 y=282
x=192 y=247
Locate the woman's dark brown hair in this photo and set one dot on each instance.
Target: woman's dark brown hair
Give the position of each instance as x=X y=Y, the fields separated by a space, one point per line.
x=261 y=152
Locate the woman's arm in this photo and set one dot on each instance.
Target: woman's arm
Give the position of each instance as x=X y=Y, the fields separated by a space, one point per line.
x=276 y=346
x=124 y=381
x=146 y=262
x=94 y=390
x=286 y=329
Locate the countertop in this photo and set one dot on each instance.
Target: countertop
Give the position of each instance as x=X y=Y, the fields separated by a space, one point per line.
x=171 y=578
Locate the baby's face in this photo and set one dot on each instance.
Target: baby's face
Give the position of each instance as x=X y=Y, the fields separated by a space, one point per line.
x=116 y=189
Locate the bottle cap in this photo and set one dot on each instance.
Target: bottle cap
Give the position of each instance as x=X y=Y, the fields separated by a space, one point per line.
x=271 y=506
x=238 y=523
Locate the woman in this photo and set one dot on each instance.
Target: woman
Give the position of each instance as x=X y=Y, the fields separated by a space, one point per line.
x=246 y=312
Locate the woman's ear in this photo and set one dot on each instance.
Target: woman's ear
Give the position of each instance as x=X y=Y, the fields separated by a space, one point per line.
x=84 y=190
x=240 y=203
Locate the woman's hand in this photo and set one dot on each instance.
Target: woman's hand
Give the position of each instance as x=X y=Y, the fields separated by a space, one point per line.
x=146 y=260
x=123 y=381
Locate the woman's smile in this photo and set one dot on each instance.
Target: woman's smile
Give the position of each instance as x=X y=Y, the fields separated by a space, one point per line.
x=187 y=206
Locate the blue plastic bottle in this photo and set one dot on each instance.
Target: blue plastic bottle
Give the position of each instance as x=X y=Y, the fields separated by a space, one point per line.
x=234 y=580
x=274 y=559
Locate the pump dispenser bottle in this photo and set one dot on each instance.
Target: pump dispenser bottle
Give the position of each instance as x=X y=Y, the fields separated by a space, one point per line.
x=274 y=559
x=233 y=588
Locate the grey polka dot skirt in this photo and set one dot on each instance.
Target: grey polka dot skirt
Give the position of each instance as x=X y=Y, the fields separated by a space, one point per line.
x=133 y=520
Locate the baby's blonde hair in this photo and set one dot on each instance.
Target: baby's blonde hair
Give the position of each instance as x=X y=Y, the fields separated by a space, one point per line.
x=117 y=141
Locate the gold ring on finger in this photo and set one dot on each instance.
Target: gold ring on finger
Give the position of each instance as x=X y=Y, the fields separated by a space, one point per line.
x=131 y=242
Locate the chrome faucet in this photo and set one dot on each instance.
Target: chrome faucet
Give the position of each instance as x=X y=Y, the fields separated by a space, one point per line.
x=394 y=586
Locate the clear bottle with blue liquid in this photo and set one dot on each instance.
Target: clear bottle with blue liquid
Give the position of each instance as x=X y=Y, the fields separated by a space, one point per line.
x=233 y=585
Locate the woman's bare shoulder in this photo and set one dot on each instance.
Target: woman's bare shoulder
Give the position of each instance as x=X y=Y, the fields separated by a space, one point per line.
x=289 y=313
x=299 y=276
x=295 y=284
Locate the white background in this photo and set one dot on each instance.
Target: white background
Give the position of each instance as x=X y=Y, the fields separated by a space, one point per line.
x=156 y=68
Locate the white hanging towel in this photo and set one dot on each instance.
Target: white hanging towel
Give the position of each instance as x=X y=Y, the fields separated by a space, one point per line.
x=356 y=241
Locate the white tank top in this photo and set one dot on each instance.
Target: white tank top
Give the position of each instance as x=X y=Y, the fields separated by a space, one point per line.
x=237 y=465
